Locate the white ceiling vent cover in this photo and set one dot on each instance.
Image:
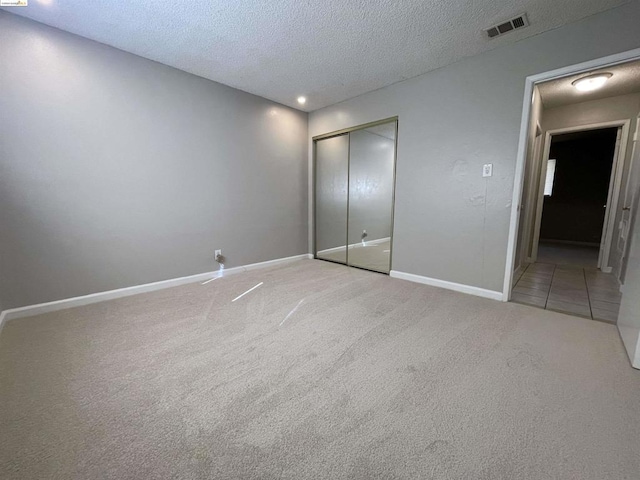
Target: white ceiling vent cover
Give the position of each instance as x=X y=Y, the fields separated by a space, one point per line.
x=515 y=23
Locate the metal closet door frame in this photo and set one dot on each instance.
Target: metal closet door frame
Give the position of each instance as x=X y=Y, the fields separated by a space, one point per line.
x=347 y=131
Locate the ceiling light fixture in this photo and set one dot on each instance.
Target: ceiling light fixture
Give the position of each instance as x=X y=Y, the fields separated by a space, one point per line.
x=592 y=82
x=302 y=100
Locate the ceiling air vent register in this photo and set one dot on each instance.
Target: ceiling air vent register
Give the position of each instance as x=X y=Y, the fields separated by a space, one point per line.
x=515 y=23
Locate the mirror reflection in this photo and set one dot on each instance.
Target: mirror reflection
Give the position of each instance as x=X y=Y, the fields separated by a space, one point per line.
x=332 y=163
x=354 y=197
x=371 y=168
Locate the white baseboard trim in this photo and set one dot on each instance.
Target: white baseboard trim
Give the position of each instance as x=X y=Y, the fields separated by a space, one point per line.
x=3 y=316
x=517 y=271
x=377 y=241
x=47 y=307
x=570 y=242
x=330 y=250
x=458 y=287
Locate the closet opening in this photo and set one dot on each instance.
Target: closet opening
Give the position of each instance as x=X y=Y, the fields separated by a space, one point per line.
x=354 y=188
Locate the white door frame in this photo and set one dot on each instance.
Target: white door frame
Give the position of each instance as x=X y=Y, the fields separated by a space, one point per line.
x=613 y=194
x=530 y=81
x=628 y=205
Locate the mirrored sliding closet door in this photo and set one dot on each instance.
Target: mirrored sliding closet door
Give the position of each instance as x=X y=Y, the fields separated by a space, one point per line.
x=354 y=191
x=332 y=185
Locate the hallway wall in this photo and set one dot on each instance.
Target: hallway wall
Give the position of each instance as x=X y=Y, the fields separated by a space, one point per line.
x=531 y=183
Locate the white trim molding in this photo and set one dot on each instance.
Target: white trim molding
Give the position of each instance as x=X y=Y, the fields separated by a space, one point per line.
x=357 y=245
x=517 y=272
x=458 y=287
x=134 y=290
x=3 y=316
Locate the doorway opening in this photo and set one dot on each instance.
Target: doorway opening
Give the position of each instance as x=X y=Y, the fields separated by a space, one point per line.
x=570 y=239
x=571 y=217
x=571 y=221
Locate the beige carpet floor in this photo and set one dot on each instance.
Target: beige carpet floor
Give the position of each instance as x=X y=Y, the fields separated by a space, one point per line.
x=322 y=372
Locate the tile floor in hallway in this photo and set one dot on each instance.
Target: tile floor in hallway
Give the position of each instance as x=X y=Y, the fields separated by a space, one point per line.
x=563 y=254
x=576 y=290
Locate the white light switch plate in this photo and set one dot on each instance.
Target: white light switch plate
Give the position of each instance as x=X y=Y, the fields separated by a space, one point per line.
x=487 y=170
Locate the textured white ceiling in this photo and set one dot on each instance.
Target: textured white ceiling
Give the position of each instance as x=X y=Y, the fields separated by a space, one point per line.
x=328 y=50
x=625 y=79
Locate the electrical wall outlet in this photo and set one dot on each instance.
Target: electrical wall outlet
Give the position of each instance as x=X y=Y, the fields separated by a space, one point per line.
x=487 y=170
x=218 y=254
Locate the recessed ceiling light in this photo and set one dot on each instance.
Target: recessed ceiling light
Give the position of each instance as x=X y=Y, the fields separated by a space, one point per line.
x=592 y=82
x=302 y=100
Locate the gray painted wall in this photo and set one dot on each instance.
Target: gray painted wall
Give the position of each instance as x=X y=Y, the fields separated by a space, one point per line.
x=621 y=107
x=117 y=171
x=450 y=222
